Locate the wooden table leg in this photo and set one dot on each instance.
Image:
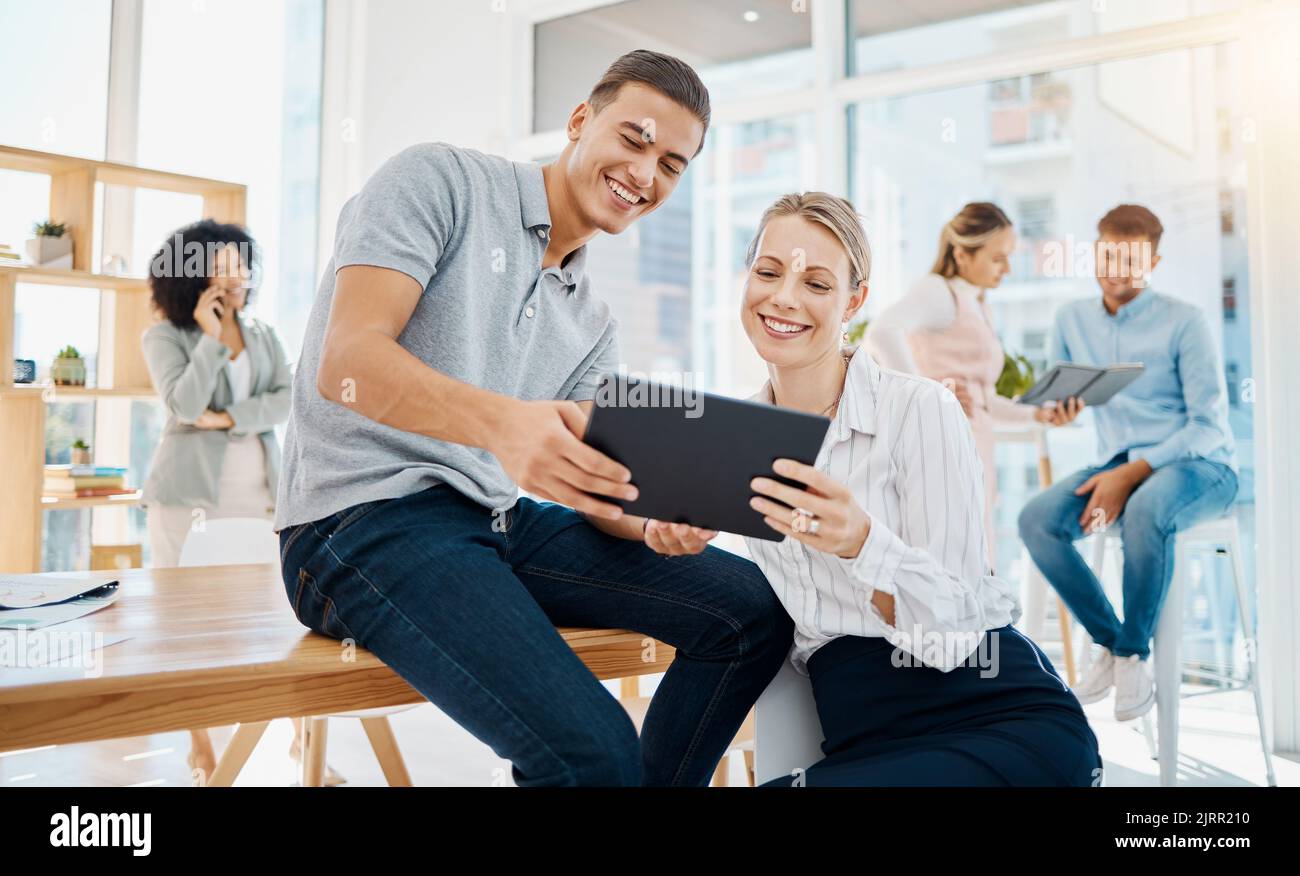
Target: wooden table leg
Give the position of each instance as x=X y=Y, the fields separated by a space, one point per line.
x=236 y=754
x=313 y=751
x=384 y=744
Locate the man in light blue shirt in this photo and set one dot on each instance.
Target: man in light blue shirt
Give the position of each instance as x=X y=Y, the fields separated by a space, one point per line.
x=1166 y=455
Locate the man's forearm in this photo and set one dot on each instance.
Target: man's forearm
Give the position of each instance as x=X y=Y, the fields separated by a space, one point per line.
x=375 y=376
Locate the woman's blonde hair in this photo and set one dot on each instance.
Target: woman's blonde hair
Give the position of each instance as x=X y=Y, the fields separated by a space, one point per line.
x=970 y=229
x=835 y=213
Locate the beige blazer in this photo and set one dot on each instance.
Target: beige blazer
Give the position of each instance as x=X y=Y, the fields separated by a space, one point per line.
x=188 y=369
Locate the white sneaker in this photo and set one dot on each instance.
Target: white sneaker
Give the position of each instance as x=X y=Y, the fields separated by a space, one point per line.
x=1099 y=678
x=1135 y=693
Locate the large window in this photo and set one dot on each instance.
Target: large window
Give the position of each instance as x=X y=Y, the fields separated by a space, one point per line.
x=228 y=90
x=66 y=113
x=751 y=165
x=1056 y=150
x=252 y=123
x=255 y=124
x=919 y=33
x=54 y=102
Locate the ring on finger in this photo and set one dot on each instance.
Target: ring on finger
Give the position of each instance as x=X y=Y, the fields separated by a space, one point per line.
x=801 y=519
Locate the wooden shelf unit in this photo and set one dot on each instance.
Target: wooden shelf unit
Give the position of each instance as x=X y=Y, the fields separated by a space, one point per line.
x=65 y=393
x=125 y=312
x=54 y=503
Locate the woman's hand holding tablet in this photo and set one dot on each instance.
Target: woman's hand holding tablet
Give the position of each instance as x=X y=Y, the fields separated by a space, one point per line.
x=842 y=527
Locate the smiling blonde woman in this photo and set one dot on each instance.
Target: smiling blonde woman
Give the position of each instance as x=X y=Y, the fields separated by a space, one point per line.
x=918 y=676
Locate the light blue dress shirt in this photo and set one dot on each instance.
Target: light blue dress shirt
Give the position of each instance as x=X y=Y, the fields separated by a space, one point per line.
x=1178 y=408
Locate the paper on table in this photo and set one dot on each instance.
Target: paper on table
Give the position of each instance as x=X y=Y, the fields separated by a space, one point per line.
x=44 y=615
x=72 y=649
x=27 y=591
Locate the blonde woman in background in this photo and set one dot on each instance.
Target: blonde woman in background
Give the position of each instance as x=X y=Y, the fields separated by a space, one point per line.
x=943 y=329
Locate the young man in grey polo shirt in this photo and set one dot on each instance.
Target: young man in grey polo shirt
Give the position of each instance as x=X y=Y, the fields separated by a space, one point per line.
x=452 y=356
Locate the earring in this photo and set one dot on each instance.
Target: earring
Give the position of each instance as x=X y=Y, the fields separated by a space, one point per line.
x=844 y=333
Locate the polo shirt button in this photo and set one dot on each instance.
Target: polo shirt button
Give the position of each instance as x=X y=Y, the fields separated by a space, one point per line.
x=529 y=312
x=541 y=232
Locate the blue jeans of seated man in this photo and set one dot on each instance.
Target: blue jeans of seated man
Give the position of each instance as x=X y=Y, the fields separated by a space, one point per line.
x=463 y=604
x=1173 y=498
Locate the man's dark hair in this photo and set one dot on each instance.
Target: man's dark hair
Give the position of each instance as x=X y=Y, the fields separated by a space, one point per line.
x=175 y=291
x=1132 y=220
x=667 y=75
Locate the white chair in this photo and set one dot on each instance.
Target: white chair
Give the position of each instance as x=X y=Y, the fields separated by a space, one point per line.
x=247 y=540
x=231 y=541
x=1223 y=537
x=787 y=732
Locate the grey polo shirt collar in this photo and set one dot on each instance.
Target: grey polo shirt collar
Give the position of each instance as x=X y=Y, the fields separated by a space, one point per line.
x=535 y=214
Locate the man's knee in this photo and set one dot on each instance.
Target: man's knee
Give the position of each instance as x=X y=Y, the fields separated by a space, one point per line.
x=1037 y=518
x=1145 y=517
x=608 y=756
x=750 y=617
x=1155 y=506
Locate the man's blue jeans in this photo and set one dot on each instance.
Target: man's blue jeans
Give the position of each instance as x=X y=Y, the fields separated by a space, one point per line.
x=463 y=605
x=1173 y=498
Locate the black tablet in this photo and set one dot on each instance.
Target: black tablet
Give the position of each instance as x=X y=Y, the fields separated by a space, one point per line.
x=1093 y=384
x=692 y=454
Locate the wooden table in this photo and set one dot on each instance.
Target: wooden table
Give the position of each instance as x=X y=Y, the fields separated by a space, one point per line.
x=218 y=645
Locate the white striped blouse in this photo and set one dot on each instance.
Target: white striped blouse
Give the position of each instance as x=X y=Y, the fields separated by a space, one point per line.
x=904 y=447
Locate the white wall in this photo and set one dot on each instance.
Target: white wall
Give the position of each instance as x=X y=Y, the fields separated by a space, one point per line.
x=430 y=74
x=400 y=72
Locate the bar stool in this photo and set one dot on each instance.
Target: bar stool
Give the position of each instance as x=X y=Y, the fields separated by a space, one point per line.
x=1033 y=586
x=1223 y=537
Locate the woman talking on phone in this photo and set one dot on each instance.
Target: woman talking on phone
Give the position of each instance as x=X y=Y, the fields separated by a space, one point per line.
x=224 y=381
x=918 y=676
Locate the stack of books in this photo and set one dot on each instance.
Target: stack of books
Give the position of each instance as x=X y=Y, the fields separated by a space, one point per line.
x=8 y=256
x=80 y=481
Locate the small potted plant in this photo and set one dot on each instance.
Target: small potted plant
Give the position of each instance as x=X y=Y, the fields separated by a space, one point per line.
x=1017 y=376
x=68 y=368
x=80 y=453
x=52 y=246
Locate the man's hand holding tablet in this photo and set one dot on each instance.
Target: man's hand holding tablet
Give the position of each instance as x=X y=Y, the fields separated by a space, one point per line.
x=539 y=444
